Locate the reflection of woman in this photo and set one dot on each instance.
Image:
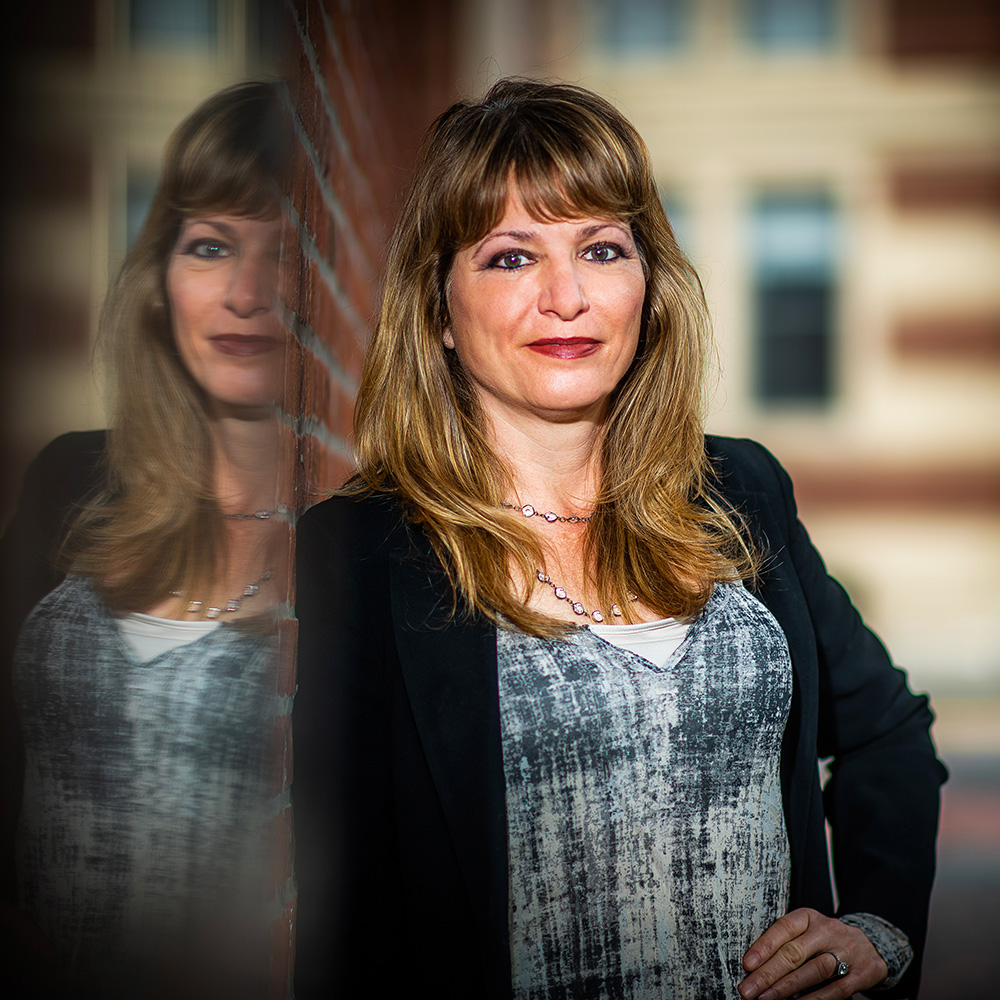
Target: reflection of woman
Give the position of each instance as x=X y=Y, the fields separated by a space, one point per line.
x=142 y=680
x=493 y=799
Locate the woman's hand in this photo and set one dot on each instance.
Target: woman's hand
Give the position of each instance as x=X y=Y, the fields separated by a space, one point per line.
x=793 y=955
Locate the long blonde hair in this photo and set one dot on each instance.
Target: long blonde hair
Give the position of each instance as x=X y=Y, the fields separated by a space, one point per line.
x=157 y=527
x=658 y=529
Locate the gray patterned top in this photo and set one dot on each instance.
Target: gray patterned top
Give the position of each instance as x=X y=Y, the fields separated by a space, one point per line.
x=647 y=845
x=141 y=843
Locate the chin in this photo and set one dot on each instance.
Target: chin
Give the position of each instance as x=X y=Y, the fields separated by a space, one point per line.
x=576 y=404
x=247 y=406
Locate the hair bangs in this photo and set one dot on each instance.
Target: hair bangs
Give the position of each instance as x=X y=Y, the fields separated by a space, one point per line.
x=233 y=157
x=557 y=174
x=237 y=187
x=561 y=174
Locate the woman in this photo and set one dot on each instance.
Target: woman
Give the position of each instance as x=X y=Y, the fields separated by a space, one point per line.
x=145 y=680
x=566 y=666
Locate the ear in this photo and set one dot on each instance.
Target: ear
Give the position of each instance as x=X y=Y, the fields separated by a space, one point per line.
x=447 y=339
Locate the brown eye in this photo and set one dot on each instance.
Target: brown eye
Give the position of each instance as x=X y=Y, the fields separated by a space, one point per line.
x=603 y=253
x=511 y=260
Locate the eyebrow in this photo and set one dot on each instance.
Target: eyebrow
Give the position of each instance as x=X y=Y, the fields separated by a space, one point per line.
x=527 y=236
x=222 y=227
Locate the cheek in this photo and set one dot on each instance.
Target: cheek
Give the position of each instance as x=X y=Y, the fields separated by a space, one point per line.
x=176 y=299
x=632 y=318
x=185 y=298
x=628 y=320
x=466 y=334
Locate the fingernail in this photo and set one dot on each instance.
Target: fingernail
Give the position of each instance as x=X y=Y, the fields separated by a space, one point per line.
x=767 y=995
x=751 y=960
x=747 y=990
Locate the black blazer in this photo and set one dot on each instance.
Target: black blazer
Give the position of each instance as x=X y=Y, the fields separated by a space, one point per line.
x=399 y=788
x=66 y=472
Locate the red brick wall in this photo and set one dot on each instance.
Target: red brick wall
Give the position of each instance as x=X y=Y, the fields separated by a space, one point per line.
x=364 y=79
x=367 y=79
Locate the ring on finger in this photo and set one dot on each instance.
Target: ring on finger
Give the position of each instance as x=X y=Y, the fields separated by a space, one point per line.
x=842 y=967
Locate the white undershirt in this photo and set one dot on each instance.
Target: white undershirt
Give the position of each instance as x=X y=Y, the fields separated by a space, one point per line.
x=654 y=641
x=148 y=636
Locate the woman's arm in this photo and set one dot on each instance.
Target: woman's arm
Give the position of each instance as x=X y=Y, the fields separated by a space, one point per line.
x=883 y=796
x=882 y=799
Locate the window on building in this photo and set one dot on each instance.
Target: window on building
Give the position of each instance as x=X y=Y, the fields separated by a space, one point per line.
x=794 y=251
x=192 y=24
x=139 y=190
x=790 y=24
x=643 y=25
x=266 y=31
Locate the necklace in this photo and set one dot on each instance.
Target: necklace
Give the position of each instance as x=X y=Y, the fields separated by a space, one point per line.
x=577 y=606
x=258 y=515
x=528 y=511
x=233 y=604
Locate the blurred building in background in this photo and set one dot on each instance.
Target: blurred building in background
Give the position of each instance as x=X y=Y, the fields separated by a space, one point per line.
x=833 y=169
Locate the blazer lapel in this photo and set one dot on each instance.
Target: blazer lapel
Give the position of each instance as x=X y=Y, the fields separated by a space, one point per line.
x=449 y=669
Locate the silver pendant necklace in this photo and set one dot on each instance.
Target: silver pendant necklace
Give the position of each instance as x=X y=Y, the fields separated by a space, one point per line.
x=258 y=515
x=596 y=615
x=578 y=608
x=528 y=511
x=232 y=605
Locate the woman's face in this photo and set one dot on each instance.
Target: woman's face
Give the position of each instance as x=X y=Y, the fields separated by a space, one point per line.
x=545 y=316
x=222 y=280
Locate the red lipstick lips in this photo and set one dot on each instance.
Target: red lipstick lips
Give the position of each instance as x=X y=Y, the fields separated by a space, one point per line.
x=567 y=348
x=243 y=345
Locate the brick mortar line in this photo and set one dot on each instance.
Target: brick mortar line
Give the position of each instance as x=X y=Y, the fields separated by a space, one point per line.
x=278 y=903
x=315 y=428
x=309 y=339
x=328 y=195
x=312 y=427
x=350 y=91
x=283 y=610
x=280 y=802
x=281 y=704
x=326 y=272
x=332 y=117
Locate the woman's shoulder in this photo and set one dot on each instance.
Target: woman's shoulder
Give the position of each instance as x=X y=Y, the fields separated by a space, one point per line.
x=74 y=601
x=355 y=508
x=75 y=446
x=742 y=465
x=66 y=472
x=366 y=521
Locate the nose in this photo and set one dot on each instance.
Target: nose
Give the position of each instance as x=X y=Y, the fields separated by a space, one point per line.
x=562 y=294
x=252 y=285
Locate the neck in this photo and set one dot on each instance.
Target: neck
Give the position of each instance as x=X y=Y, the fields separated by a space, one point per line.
x=247 y=461
x=554 y=466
